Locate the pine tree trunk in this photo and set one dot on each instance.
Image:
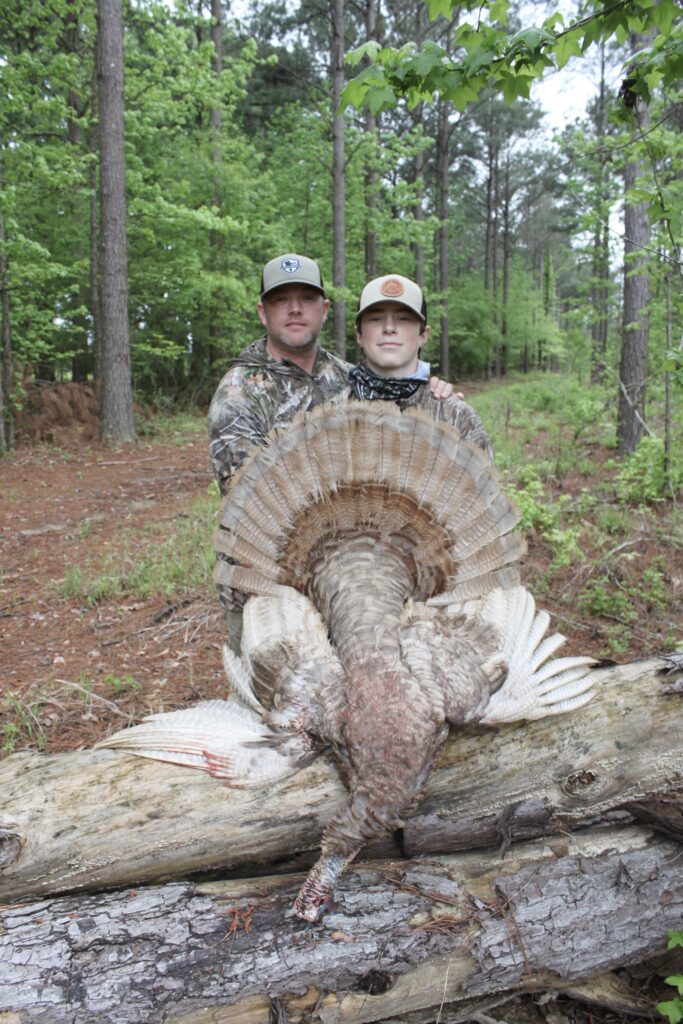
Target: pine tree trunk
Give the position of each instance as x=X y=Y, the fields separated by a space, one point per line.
x=94 y=234
x=338 y=177
x=215 y=237
x=6 y=360
x=116 y=399
x=635 y=329
x=6 y=356
x=442 y=172
x=418 y=209
x=600 y=269
x=372 y=136
x=507 y=249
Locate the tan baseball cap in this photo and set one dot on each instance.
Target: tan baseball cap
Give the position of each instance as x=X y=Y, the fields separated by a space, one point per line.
x=291 y=269
x=393 y=288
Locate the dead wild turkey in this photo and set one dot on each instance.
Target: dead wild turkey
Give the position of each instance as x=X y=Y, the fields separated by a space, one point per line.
x=387 y=608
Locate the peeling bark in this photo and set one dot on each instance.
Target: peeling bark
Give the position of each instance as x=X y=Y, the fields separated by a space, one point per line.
x=448 y=934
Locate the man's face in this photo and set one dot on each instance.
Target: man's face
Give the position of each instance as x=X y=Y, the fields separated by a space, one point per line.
x=293 y=315
x=390 y=336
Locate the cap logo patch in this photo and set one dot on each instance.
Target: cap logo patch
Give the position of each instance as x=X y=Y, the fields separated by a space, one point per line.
x=392 y=288
x=290 y=265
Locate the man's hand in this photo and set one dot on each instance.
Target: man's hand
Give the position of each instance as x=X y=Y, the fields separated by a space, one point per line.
x=442 y=388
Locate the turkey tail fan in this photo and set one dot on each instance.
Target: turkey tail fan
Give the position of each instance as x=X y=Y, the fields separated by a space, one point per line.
x=536 y=684
x=368 y=469
x=223 y=738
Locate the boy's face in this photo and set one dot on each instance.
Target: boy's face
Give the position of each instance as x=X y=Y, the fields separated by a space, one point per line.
x=391 y=335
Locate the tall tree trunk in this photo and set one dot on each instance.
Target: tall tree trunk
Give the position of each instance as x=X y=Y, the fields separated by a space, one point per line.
x=372 y=135
x=418 y=208
x=442 y=175
x=600 y=274
x=491 y=230
x=94 y=268
x=542 y=283
x=6 y=366
x=116 y=399
x=6 y=360
x=419 y=161
x=215 y=237
x=507 y=248
x=495 y=172
x=338 y=177
x=635 y=328
x=82 y=358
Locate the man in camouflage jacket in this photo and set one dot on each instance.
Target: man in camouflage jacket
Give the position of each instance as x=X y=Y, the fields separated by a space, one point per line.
x=286 y=371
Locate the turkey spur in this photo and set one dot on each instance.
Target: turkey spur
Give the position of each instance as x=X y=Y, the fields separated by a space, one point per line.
x=383 y=567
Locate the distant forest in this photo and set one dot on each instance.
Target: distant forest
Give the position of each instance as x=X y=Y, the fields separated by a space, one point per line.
x=143 y=188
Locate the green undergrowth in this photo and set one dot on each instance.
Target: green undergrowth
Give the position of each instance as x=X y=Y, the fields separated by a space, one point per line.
x=166 y=424
x=604 y=530
x=21 y=724
x=672 y=1009
x=183 y=561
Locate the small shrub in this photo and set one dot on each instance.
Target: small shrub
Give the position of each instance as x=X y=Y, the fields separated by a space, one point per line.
x=654 y=590
x=538 y=513
x=642 y=477
x=121 y=684
x=672 y=1009
x=602 y=597
x=614 y=519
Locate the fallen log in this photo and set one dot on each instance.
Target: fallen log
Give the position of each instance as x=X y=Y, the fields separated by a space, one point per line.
x=444 y=935
x=98 y=819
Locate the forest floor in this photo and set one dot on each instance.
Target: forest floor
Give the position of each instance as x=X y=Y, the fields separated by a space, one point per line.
x=78 y=663
x=72 y=668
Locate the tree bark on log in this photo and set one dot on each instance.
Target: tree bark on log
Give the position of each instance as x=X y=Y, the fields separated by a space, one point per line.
x=446 y=935
x=99 y=819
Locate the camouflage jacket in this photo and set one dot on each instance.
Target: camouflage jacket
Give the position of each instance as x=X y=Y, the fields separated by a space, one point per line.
x=259 y=393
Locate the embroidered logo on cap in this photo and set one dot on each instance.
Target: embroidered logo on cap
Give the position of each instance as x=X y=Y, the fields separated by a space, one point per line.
x=290 y=265
x=392 y=288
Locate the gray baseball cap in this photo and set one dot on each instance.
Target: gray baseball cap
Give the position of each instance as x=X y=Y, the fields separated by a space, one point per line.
x=395 y=288
x=291 y=269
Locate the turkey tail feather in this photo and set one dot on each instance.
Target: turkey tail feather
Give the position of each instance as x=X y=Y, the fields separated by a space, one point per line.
x=534 y=686
x=223 y=738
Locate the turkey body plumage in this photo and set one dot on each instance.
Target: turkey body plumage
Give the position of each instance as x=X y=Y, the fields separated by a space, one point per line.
x=386 y=608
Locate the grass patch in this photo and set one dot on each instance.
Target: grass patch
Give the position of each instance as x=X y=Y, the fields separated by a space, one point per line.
x=21 y=724
x=169 y=425
x=184 y=561
x=545 y=413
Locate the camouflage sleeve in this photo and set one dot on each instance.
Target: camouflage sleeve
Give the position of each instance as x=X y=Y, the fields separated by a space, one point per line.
x=468 y=422
x=238 y=422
